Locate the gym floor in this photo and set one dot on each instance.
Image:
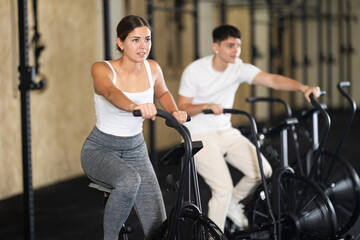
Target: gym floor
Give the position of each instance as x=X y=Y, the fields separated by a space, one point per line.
x=71 y=210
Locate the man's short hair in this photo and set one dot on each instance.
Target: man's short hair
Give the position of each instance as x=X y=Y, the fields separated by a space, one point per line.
x=224 y=31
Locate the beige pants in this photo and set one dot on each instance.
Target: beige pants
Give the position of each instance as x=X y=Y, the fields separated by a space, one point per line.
x=211 y=165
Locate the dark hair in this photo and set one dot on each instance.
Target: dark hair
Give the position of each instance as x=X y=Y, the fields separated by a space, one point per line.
x=129 y=23
x=224 y=31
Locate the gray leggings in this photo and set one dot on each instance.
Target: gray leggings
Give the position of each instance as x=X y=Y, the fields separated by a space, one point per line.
x=123 y=164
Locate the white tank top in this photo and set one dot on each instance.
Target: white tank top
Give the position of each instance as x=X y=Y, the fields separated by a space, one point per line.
x=117 y=122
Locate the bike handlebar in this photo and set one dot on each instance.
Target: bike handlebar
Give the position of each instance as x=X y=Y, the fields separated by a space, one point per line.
x=344 y=84
x=352 y=114
x=326 y=116
x=347 y=96
x=271 y=99
x=254 y=130
x=170 y=120
x=257 y=147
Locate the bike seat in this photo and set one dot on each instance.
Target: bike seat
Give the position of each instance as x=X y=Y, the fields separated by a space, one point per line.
x=177 y=152
x=100 y=188
x=286 y=124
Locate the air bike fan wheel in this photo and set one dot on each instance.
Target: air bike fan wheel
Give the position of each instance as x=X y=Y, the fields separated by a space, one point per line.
x=191 y=225
x=341 y=184
x=306 y=212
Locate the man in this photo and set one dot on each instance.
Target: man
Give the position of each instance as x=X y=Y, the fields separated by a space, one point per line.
x=211 y=83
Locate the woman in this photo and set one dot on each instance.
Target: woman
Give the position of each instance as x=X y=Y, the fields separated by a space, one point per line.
x=115 y=154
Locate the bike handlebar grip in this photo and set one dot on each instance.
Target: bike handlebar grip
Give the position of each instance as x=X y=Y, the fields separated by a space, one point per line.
x=137 y=113
x=171 y=121
x=313 y=101
x=319 y=107
x=263 y=99
x=344 y=84
x=208 y=111
x=226 y=110
x=271 y=100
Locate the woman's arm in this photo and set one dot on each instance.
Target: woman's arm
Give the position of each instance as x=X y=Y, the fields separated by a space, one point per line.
x=163 y=95
x=103 y=85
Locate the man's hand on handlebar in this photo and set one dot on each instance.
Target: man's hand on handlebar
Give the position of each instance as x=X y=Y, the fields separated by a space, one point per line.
x=216 y=108
x=312 y=90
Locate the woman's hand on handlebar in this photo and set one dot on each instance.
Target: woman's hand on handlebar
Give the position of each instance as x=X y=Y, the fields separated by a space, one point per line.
x=181 y=116
x=148 y=110
x=216 y=108
x=312 y=90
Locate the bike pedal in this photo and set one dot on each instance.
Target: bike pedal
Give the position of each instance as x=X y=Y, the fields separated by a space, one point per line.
x=126 y=229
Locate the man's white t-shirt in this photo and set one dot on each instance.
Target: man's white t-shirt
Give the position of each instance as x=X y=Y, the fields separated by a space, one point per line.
x=207 y=86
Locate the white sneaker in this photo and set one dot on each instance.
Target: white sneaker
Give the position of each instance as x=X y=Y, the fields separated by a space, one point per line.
x=236 y=214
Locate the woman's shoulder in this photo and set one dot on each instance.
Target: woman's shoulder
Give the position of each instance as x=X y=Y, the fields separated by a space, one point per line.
x=100 y=66
x=154 y=65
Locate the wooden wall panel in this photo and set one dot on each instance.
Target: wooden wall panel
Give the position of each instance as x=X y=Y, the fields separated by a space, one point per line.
x=62 y=114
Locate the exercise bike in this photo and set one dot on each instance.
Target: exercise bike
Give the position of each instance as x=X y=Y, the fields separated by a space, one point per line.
x=186 y=221
x=286 y=206
x=333 y=174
